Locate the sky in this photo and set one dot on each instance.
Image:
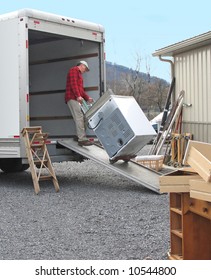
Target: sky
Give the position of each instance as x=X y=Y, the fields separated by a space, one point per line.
x=133 y=28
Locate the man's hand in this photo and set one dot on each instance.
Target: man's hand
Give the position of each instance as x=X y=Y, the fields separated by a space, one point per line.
x=80 y=99
x=90 y=100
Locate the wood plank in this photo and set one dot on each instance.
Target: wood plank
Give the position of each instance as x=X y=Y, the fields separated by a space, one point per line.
x=198 y=156
x=200 y=185
x=177 y=181
x=199 y=163
x=200 y=195
x=175 y=188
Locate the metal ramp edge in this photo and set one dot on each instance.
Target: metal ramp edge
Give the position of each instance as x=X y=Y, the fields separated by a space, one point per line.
x=144 y=176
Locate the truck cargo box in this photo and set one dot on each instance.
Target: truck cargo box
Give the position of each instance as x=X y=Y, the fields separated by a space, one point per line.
x=36 y=51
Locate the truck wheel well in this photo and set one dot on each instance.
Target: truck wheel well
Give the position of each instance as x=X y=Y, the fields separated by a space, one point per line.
x=12 y=165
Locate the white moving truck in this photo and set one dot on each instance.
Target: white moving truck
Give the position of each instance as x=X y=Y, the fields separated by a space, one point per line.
x=36 y=51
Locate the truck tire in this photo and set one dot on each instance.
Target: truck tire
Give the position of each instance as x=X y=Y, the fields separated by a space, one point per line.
x=12 y=165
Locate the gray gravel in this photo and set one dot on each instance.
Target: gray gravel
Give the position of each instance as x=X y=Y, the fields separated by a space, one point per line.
x=97 y=214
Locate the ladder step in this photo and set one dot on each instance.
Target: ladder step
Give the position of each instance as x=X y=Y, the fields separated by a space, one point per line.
x=38 y=162
x=37 y=145
x=39 y=139
x=31 y=129
x=45 y=177
x=40 y=136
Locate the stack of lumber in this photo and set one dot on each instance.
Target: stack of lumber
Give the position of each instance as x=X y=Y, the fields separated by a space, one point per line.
x=195 y=179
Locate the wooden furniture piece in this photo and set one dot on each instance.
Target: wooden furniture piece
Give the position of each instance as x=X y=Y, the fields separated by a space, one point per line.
x=190 y=228
x=38 y=157
x=177 y=181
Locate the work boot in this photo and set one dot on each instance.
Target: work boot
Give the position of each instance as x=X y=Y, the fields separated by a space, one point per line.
x=75 y=138
x=85 y=142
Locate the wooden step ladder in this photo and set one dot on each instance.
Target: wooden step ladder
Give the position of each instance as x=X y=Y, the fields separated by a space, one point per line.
x=38 y=157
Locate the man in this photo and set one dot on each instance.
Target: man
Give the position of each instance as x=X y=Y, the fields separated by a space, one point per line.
x=74 y=96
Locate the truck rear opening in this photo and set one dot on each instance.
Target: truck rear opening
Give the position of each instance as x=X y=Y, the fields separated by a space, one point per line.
x=50 y=57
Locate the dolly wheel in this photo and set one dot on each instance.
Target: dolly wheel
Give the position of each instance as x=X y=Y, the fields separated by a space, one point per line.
x=112 y=161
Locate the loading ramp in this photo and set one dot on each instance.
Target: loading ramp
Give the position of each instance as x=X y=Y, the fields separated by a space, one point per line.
x=131 y=170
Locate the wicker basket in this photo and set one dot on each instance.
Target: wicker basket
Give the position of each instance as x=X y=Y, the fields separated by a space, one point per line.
x=151 y=161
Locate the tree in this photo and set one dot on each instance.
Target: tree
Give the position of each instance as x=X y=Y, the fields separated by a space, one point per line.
x=160 y=90
x=149 y=92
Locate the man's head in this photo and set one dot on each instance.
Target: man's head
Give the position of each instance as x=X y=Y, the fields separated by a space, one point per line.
x=83 y=65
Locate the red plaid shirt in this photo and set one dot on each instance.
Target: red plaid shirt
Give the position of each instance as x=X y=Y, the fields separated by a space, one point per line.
x=74 y=85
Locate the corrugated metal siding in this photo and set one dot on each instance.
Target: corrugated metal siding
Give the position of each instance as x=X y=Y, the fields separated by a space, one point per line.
x=193 y=75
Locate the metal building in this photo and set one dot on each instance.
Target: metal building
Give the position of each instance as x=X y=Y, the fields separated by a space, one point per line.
x=191 y=66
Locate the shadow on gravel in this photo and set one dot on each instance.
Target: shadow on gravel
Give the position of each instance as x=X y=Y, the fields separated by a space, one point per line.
x=19 y=178
x=106 y=180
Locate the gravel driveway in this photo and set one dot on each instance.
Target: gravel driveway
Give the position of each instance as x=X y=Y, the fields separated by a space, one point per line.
x=97 y=214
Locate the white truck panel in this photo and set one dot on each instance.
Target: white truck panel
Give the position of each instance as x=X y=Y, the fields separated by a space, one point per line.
x=66 y=30
x=9 y=85
x=53 y=18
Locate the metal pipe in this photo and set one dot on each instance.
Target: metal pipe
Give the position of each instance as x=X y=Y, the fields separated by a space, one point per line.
x=172 y=73
x=169 y=61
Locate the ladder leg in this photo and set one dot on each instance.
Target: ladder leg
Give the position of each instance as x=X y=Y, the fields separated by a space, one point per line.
x=50 y=167
x=32 y=166
x=35 y=182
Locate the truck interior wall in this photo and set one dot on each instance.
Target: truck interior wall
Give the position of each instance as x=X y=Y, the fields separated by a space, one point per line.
x=50 y=57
